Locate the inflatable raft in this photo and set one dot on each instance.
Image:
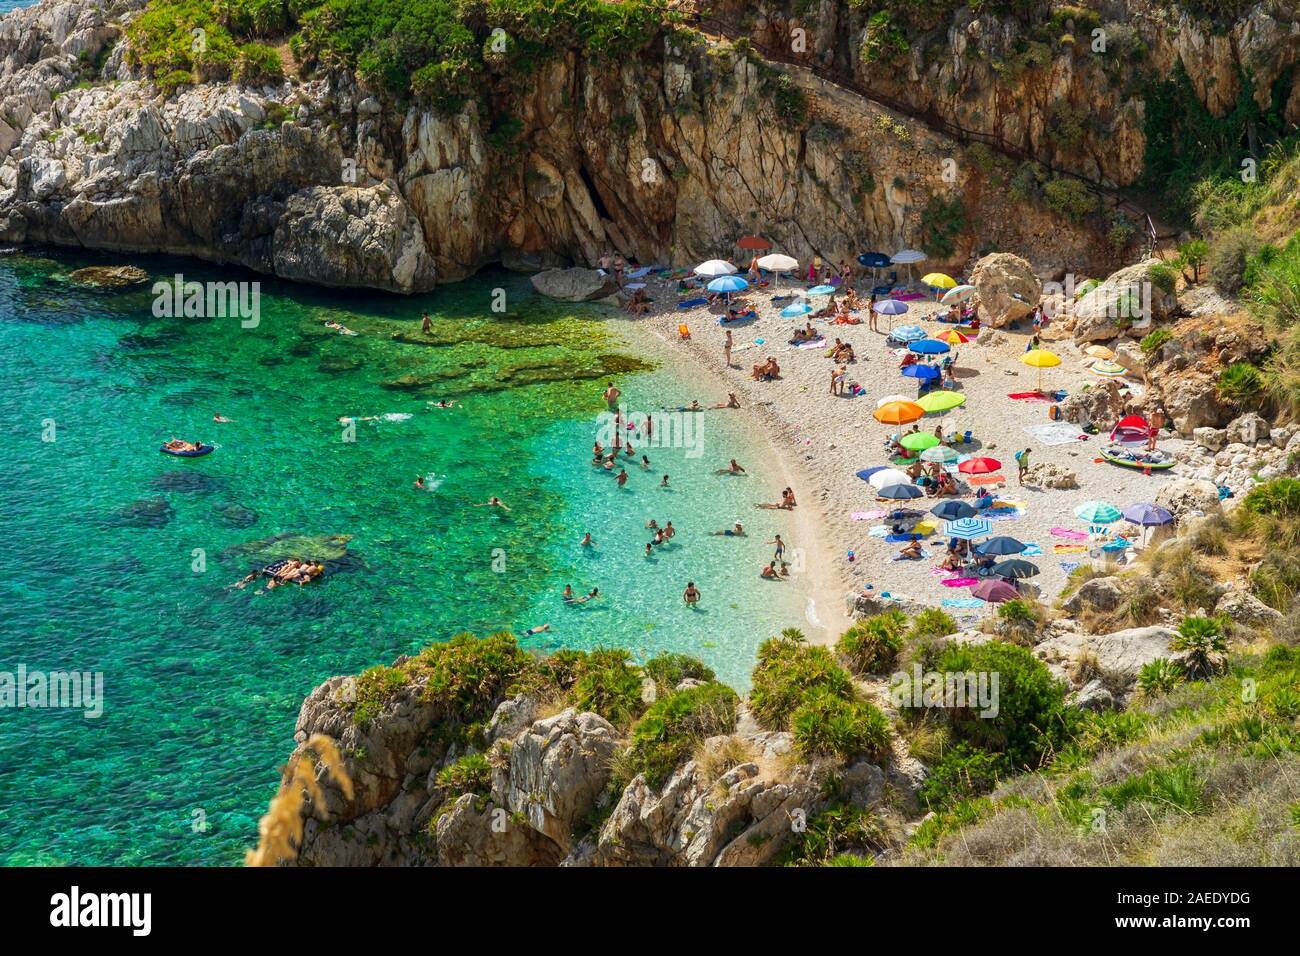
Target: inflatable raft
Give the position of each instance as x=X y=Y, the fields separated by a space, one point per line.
x=1138 y=458
x=195 y=453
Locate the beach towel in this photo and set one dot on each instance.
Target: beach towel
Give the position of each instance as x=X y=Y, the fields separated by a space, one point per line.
x=874 y=513
x=879 y=531
x=858 y=516
x=811 y=344
x=1069 y=566
x=1031 y=550
x=959 y=582
x=1067 y=533
x=961 y=602
x=639 y=273
x=1031 y=397
x=1068 y=548
x=910 y=296
x=1005 y=513
x=1055 y=433
x=896 y=538
x=692 y=303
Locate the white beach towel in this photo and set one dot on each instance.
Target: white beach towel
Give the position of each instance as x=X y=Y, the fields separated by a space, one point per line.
x=1055 y=433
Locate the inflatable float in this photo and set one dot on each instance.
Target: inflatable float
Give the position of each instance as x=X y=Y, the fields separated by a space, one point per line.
x=198 y=452
x=1132 y=458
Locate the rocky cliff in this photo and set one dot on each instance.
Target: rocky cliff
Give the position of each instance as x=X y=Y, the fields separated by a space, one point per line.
x=667 y=156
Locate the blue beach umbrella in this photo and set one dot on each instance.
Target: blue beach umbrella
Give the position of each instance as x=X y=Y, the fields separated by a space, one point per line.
x=893 y=307
x=899 y=491
x=967 y=528
x=796 y=310
x=728 y=284
x=866 y=473
x=1000 y=545
x=874 y=260
x=821 y=290
x=908 y=333
x=924 y=372
x=953 y=510
x=1147 y=515
x=929 y=347
x=1015 y=568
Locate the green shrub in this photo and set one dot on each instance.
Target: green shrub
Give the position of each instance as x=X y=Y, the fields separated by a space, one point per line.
x=1202 y=642
x=871 y=645
x=470 y=774
x=1241 y=383
x=883 y=41
x=669 y=670
x=1151 y=342
x=1229 y=254
x=827 y=725
x=1160 y=788
x=672 y=726
x=258 y=65
x=375 y=687
x=962 y=772
x=609 y=684
x=1071 y=198
x=1164 y=278
x=1274 y=286
x=1159 y=676
x=786 y=674
x=835 y=834
x=932 y=622
x=942 y=220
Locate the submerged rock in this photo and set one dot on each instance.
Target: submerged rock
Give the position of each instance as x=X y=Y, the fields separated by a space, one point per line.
x=143 y=513
x=234 y=515
x=194 y=482
x=574 y=285
x=110 y=277
x=324 y=547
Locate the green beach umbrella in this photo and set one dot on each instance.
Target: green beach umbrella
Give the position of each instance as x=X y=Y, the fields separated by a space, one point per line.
x=918 y=441
x=941 y=401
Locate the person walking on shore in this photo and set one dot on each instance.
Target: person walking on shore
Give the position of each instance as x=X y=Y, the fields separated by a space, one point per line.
x=1022 y=459
x=726 y=349
x=611 y=397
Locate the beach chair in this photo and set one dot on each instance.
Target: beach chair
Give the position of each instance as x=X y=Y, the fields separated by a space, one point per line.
x=684 y=332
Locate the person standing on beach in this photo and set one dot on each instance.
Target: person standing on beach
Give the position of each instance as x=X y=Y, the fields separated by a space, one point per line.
x=780 y=548
x=726 y=349
x=611 y=397
x=875 y=316
x=1022 y=460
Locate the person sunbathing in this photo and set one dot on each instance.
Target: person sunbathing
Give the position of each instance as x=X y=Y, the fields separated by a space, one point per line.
x=766 y=371
x=911 y=551
x=737 y=532
x=731 y=402
x=176 y=444
x=952 y=561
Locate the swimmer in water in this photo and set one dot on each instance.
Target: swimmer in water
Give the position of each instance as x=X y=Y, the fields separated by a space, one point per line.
x=669 y=530
x=587 y=541
x=645 y=463
x=622 y=477
x=691 y=595
x=652 y=524
x=733 y=469
x=222 y=419
x=737 y=532
x=568 y=593
x=664 y=483
x=537 y=630
x=426 y=326
x=443 y=403
x=595 y=592
x=493 y=502
x=649 y=549
x=419 y=481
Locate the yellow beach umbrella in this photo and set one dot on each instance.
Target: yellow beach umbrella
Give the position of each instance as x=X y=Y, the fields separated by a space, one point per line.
x=953 y=337
x=1099 y=351
x=941 y=401
x=938 y=280
x=1040 y=359
x=898 y=413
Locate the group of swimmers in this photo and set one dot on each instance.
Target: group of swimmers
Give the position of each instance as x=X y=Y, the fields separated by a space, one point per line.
x=285 y=571
x=176 y=444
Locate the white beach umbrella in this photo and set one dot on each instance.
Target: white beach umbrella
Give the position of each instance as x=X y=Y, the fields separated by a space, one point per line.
x=890 y=476
x=907 y=257
x=778 y=263
x=715 y=267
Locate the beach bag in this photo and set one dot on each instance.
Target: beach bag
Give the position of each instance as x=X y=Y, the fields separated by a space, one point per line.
x=1054 y=413
x=1018 y=454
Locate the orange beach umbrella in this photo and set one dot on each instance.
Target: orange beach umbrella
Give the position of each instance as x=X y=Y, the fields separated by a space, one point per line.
x=898 y=413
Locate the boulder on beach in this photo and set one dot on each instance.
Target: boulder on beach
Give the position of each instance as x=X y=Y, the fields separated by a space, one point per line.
x=574 y=285
x=1127 y=299
x=1187 y=497
x=1006 y=288
x=110 y=277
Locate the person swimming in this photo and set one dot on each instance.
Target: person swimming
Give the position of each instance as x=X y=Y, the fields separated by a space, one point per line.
x=587 y=541
x=493 y=502
x=222 y=419
x=737 y=532
x=419 y=482
x=538 y=629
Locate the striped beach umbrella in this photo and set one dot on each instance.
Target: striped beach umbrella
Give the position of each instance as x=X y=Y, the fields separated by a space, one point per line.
x=1108 y=369
x=918 y=441
x=953 y=337
x=941 y=401
x=967 y=528
x=1097 y=512
x=958 y=293
x=941 y=454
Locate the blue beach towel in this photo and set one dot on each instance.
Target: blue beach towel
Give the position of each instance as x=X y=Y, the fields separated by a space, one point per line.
x=1031 y=550
x=1068 y=566
x=692 y=303
x=961 y=602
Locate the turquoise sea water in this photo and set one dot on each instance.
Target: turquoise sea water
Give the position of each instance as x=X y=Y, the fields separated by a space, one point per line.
x=203 y=684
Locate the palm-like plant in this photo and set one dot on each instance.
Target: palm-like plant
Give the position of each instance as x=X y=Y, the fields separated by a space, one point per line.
x=1202 y=643
x=1159 y=676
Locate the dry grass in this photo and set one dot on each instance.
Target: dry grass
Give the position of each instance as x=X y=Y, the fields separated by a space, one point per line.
x=714 y=760
x=280 y=829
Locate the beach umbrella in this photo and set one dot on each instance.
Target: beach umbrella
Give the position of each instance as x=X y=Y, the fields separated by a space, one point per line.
x=888 y=476
x=728 y=284
x=753 y=242
x=941 y=401
x=1000 y=545
x=1015 y=568
x=953 y=337
x=821 y=290
x=1099 y=351
x=1040 y=359
x=979 y=466
x=900 y=492
x=1147 y=515
x=1097 y=512
x=929 y=347
x=866 y=473
x=715 y=267
x=892 y=398
x=924 y=372
x=995 y=591
x=1108 y=369
x=907 y=333
x=898 y=413
x=918 y=441
x=958 y=293
x=891 y=307
x=906 y=257
x=967 y=528
x=796 y=310
x=953 y=510
x=937 y=280
x=777 y=263
x=874 y=260
x=939 y=453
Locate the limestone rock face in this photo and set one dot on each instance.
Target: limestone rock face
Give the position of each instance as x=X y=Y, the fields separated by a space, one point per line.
x=1192 y=401
x=1006 y=287
x=1128 y=299
x=574 y=285
x=1120 y=654
x=340 y=235
x=557 y=769
x=1248 y=429
x=1049 y=475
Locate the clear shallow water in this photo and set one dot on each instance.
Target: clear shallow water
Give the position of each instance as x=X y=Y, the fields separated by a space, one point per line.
x=203 y=684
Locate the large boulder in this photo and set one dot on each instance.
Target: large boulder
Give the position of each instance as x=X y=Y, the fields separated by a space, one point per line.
x=1101 y=405
x=1247 y=610
x=1127 y=299
x=1248 y=429
x=1006 y=288
x=1120 y=655
x=574 y=285
x=1187 y=497
x=1097 y=594
x=1192 y=401
x=1049 y=475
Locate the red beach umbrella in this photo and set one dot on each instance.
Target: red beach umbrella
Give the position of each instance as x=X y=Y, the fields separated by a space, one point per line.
x=994 y=591
x=754 y=242
x=979 y=466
